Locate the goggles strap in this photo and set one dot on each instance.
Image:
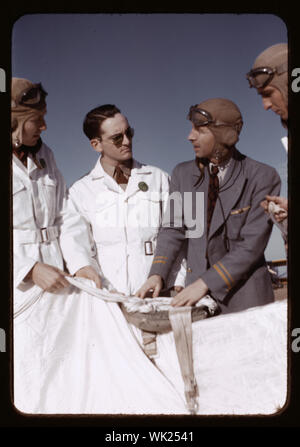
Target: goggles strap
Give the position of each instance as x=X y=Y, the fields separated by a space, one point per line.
x=282 y=68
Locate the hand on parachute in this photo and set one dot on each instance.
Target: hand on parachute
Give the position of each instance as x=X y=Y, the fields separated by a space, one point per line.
x=48 y=277
x=191 y=294
x=177 y=289
x=90 y=273
x=153 y=285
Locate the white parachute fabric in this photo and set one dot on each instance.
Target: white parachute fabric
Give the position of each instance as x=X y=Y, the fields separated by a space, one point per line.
x=240 y=361
x=75 y=353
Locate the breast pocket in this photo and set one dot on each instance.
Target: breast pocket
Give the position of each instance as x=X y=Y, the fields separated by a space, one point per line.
x=235 y=224
x=150 y=210
x=107 y=222
x=48 y=189
x=18 y=186
x=22 y=209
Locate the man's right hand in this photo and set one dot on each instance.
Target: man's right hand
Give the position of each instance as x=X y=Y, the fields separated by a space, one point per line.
x=90 y=273
x=154 y=283
x=282 y=202
x=48 y=277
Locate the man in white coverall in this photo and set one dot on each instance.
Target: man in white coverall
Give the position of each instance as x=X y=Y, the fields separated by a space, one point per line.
x=122 y=202
x=39 y=195
x=69 y=347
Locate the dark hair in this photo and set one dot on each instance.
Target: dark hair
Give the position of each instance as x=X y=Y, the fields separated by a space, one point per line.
x=93 y=119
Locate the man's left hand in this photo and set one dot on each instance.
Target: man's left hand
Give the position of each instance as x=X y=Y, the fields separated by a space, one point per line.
x=191 y=294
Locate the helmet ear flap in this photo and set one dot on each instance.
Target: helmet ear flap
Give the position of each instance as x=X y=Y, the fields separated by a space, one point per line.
x=230 y=136
x=14 y=124
x=227 y=136
x=238 y=126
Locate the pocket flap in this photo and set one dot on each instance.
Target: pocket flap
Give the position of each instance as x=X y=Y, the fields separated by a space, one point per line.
x=151 y=196
x=18 y=185
x=48 y=181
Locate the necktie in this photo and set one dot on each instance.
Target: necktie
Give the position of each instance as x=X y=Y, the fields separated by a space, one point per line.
x=213 y=191
x=120 y=177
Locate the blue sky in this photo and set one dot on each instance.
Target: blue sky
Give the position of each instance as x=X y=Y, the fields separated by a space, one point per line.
x=153 y=67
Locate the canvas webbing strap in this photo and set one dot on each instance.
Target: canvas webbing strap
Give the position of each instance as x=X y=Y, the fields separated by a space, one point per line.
x=181 y=322
x=149 y=343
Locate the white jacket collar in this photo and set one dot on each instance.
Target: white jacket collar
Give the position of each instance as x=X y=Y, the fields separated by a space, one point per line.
x=137 y=168
x=31 y=166
x=284 y=141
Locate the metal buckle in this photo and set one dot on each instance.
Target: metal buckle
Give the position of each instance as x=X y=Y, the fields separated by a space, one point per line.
x=44 y=235
x=148 y=246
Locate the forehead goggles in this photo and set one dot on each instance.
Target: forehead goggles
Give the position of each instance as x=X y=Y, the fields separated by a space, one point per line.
x=33 y=97
x=200 y=117
x=260 y=77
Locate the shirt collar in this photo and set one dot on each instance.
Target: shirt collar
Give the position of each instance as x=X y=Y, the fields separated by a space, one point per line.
x=110 y=170
x=99 y=172
x=222 y=166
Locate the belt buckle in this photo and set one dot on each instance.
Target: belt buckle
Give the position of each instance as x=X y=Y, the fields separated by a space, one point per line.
x=148 y=247
x=44 y=235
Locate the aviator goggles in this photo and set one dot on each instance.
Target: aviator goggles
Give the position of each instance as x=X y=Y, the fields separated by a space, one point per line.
x=33 y=97
x=260 y=77
x=205 y=118
x=117 y=139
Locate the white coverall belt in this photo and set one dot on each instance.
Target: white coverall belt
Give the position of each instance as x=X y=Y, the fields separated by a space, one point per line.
x=36 y=236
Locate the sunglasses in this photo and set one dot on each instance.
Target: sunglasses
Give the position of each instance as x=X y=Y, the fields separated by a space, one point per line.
x=260 y=77
x=118 y=138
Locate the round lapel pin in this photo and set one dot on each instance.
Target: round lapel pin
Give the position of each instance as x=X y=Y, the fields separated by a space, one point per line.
x=143 y=186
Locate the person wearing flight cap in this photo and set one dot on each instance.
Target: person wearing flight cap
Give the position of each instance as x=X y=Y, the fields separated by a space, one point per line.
x=269 y=75
x=62 y=334
x=39 y=200
x=227 y=259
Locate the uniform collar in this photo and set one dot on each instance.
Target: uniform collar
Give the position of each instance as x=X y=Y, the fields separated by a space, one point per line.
x=222 y=166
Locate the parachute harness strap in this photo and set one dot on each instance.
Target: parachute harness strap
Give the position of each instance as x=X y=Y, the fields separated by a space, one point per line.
x=149 y=344
x=181 y=322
